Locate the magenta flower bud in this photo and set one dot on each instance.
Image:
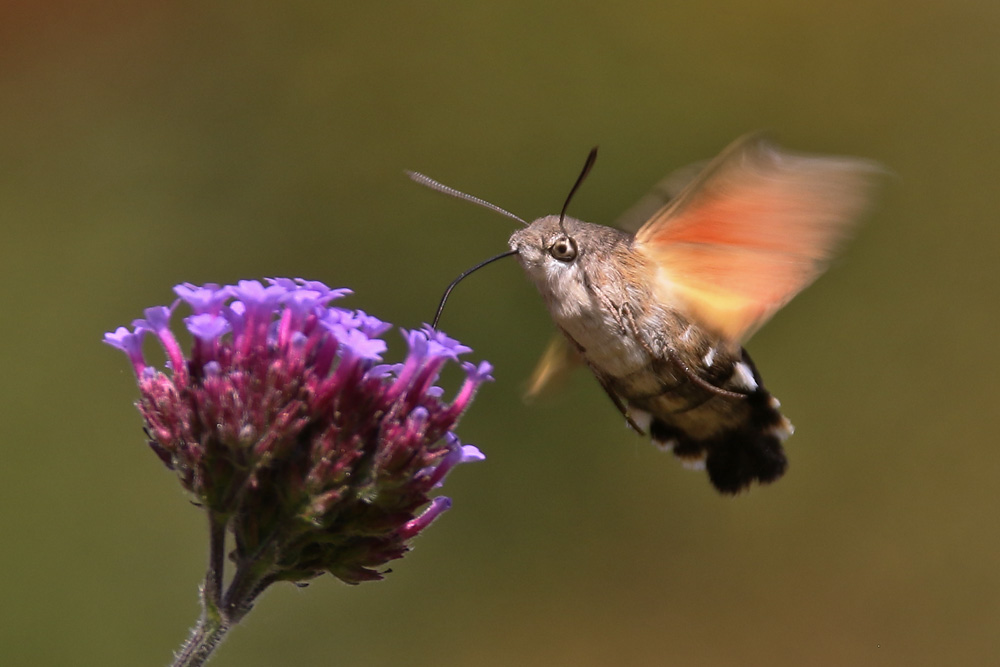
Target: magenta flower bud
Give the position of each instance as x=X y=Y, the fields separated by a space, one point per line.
x=436 y=508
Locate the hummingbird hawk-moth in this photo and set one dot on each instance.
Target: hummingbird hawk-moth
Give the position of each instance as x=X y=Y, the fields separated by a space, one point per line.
x=660 y=315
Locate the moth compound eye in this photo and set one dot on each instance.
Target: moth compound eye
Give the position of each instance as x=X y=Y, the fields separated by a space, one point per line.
x=563 y=249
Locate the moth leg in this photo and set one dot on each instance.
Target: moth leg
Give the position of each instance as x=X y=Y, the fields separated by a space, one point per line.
x=607 y=390
x=621 y=406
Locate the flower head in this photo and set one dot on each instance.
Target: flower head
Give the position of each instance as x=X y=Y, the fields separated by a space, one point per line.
x=282 y=420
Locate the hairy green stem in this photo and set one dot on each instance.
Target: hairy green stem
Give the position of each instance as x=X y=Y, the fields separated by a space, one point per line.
x=204 y=639
x=211 y=591
x=213 y=624
x=221 y=612
x=216 y=620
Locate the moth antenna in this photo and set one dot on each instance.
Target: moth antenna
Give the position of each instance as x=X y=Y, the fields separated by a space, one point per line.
x=429 y=182
x=587 y=166
x=447 y=292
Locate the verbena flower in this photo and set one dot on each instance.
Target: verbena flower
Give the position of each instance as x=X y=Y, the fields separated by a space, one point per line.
x=282 y=417
x=284 y=423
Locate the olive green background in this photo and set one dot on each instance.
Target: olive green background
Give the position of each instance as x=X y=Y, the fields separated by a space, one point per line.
x=144 y=144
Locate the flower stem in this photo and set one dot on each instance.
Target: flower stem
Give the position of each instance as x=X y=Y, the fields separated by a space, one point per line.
x=250 y=580
x=221 y=612
x=213 y=624
x=204 y=639
x=211 y=591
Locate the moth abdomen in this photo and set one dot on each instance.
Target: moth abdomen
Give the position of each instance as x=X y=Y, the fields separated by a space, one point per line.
x=737 y=440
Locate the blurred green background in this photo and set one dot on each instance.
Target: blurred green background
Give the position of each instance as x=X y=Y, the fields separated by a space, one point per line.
x=144 y=144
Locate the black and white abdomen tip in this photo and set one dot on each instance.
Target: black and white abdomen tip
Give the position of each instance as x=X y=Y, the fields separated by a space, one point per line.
x=744 y=452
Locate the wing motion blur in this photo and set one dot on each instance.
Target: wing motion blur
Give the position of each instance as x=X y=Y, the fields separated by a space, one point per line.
x=754 y=229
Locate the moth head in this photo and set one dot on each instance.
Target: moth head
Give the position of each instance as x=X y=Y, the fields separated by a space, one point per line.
x=549 y=248
x=546 y=246
x=545 y=239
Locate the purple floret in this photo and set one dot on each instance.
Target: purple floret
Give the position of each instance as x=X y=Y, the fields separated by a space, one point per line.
x=206 y=298
x=207 y=327
x=441 y=345
x=129 y=343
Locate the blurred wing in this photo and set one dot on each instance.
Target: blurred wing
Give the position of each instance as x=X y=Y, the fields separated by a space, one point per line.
x=755 y=228
x=658 y=196
x=558 y=361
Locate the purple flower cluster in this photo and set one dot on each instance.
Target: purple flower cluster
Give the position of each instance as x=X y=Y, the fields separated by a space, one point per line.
x=283 y=421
